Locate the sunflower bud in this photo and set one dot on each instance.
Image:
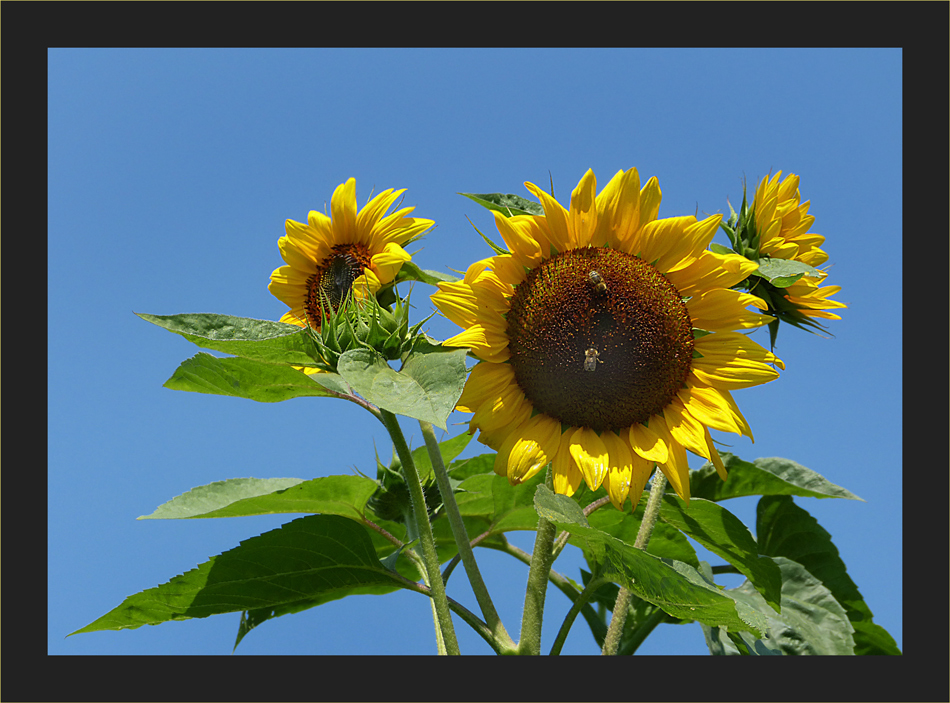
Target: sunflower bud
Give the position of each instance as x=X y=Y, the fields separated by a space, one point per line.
x=364 y=324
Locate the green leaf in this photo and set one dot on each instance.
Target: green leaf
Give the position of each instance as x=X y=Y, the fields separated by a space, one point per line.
x=811 y=621
x=243 y=378
x=506 y=204
x=240 y=497
x=782 y=273
x=262 y=340
x=724 y=534
x=770 y=476
x=426 y=388
x=784 y=529
x=666 y=541
x=678 y=588
x=315 y=558
x=411 y=272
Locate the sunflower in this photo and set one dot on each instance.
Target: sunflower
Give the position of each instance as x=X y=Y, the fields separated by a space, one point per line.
x=609 y=341
x=782 y=223
x=359 y=251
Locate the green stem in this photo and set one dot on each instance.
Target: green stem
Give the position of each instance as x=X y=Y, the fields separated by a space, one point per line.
x=424 y=528
x=461 y=539
x=650 y=514
x=576 y=608
x=541 y=559
x=637 y=637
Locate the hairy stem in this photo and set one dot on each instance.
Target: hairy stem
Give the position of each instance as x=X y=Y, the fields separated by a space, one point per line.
x=650 y=514
x=541 y=559
x=461 y=539
x=424 y=529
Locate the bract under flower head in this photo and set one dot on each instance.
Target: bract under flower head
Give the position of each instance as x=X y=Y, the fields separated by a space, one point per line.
x=586 y=335
x=352 y=251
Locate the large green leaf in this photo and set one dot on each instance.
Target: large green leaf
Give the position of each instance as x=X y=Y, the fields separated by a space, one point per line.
x=787 y=530
x=678 y=588
x=263 y=340
x=239 y=497
x=243 y=378
x=769 y=476
x=811 y=621
x=724 y=534
x=666 y=541
x=317 y=558
x=426 y=388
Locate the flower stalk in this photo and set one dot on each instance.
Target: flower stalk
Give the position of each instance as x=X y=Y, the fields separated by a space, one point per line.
x=541 y=559
x=650 y=514
x=462 y=541
x=446 y=630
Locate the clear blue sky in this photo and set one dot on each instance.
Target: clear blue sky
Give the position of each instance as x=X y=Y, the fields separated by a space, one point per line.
x=171 y=173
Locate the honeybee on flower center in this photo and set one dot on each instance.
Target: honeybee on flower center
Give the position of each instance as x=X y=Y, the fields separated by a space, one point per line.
x=591 y=359
x=597 y=281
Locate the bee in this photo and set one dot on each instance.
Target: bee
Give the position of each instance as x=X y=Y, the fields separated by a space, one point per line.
x=597 y=281
x=591 y=360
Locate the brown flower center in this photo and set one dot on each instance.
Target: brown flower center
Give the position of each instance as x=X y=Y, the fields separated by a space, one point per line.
x=599 y=338
x=334 y=279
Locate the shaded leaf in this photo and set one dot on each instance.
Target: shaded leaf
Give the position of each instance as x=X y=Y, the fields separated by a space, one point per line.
x=666 y=541
x=678 y=588
x=811 y=621
x=768 y=476
x=243 y=378
x=315 y=558
x=786 y=530
x=426 y=388
x=724 y=534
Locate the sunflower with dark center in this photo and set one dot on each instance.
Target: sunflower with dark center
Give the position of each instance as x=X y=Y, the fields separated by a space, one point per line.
x=358 y=251
x=609 y=341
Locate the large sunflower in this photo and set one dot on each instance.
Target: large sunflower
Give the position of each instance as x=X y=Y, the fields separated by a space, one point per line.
x=359 y=251
x=782 y=223
x=608 y=341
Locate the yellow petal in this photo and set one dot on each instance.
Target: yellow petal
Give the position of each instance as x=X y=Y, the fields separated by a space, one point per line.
x=647 y=444
x=343 y=212
x=528 y=449
x=724 y=310
x=583 y=213
x=676 y=467
x=386 y=264
x=731 y=360
x=556 y=219
x=567 y=477
x=590 y=453
x=620 y=472
x=618 y=211
x=714 y=408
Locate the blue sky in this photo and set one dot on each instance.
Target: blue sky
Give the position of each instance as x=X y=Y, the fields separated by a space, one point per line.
x=171 y=173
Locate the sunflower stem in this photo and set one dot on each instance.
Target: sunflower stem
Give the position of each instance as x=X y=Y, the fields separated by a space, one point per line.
x=541 y=559
x=576 y=608
x=622 y=605
x=462 y=541
x=446 y=629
